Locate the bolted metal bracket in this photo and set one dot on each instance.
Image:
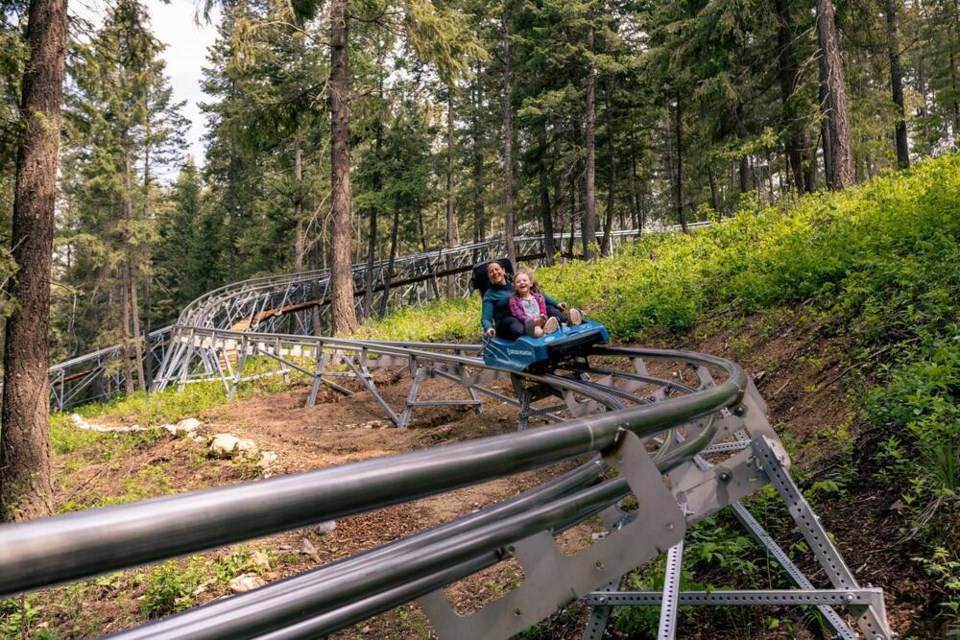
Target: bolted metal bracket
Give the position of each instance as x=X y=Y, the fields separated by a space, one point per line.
x=553 y=579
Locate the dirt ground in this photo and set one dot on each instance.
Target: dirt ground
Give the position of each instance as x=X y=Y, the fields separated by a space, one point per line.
x=794 y=364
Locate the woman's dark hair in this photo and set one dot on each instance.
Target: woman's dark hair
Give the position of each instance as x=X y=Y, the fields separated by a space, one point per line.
x=479 y=279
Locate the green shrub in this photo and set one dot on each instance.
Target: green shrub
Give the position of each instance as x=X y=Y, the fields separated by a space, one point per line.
x=920 y=408
x=170 y=588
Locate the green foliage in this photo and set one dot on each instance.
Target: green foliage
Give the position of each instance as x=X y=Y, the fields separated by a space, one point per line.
x=872 y=256
x=148 y=410
x=944 y=567
x=18 y=614
x=920 y=408
x=169 y=588
x=447 y=320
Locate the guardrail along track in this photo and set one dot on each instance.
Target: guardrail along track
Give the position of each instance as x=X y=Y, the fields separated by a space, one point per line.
x=658 y=440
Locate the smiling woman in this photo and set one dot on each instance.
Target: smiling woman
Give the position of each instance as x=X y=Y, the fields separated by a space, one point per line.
x=495 y=316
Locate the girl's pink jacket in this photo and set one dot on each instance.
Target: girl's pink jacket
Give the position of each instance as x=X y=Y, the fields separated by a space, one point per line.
x=516 y=307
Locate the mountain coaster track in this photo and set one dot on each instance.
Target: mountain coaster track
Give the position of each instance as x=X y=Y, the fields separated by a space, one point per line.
x=676 y=435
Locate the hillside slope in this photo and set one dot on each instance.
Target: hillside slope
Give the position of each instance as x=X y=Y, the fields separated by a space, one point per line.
x=843 y=308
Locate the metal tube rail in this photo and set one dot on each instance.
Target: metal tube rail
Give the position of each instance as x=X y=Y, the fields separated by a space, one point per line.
x=77 y=545
x=265 y=614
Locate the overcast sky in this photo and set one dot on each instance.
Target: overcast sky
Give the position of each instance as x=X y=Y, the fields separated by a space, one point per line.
x=174 y=24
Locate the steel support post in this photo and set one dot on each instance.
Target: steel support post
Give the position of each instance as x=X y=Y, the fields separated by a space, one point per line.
x=600 y=613
x=671 y=593
x=238 y=374
x=367 y=382
x=871 y=618
x=419 y=372
x=832 y=618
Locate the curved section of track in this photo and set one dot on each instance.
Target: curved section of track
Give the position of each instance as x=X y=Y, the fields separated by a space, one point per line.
x=684 y=434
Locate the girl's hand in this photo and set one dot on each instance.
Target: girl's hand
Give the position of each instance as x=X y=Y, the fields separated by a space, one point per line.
x=563 y=306
x=491 y=332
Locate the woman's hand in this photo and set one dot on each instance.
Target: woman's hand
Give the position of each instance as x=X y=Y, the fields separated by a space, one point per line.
x=562 y=306
x=491 y=332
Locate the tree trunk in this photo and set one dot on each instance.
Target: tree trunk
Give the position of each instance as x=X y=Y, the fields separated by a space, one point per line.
x=635 y=205
x=590 y=191
x=343 y=314
x=132 y=330
x=136 y=335
x=835 y=106
x=546 y=215
x=452 y=231
x=25 y=488
x=509 y=222
x=955 y=91
x=788 y=73
x=299 y=241
x=714 y=191
x=809 y=162
x=146 y=353
x=681 y=218
x=746 y=178
x=607 y=248
x=388 y=277
x=125 y=329
x=479 y=181
x=147 y=346
x=924 y=104
x=573 y=214
x=373 y=237
x=896 y=82
x=825 y=136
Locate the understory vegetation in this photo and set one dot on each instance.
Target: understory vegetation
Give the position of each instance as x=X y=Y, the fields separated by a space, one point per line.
x=874 y=267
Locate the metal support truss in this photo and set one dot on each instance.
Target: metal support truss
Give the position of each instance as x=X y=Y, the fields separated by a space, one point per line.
x=527 y=394
x=864 y=604
x=543 y=591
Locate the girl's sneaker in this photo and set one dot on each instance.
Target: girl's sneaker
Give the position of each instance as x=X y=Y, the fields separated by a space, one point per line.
x=551 y=325
x=575 y=317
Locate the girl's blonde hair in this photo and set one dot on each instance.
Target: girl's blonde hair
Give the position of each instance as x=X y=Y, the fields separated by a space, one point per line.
x=527 y=271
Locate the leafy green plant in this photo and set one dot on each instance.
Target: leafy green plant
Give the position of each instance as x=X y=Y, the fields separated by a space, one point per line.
x=944 y=567
x=170 y=588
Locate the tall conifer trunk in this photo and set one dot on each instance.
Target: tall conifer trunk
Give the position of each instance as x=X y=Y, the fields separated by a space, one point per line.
x=394 y=243
x=896 y=82
x=299 y=240
x=374 y=232
x=25 y=488
x=607 y=247
x=788 y=70
x=131 y=325
x=479 y=182
x=343 y=315
x=834 y=106
x=509 y=221
x=452 y=237
x=590 y=142
x=681 y=216
x=543 y=186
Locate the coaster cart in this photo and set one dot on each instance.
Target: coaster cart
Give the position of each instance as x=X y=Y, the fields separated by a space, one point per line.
x=535 y=354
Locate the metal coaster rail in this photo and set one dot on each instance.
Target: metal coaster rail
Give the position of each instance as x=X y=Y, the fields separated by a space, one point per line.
x=683 y=434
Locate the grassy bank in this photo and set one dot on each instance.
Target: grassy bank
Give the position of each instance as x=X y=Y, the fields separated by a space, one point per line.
x=876 y=267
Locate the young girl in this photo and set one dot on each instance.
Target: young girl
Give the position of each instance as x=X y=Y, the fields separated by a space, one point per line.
x=539 y=313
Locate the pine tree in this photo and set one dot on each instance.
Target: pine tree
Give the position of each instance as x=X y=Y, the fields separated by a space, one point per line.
x=125 y=130
x=25 y=488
